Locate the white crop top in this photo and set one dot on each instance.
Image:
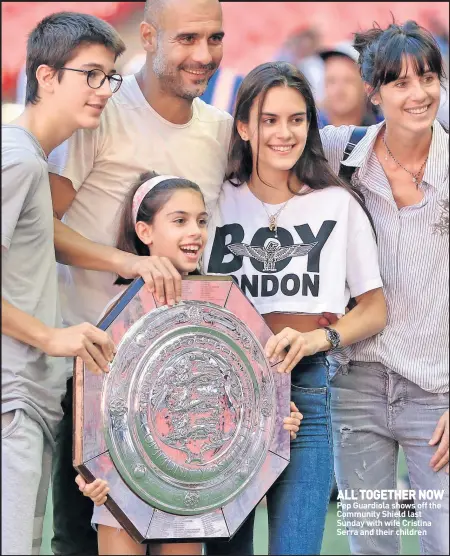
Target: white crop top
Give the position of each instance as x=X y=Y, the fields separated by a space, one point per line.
x=324 y=254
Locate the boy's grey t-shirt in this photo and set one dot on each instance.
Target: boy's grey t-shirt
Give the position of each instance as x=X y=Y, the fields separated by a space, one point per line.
x=31 y=380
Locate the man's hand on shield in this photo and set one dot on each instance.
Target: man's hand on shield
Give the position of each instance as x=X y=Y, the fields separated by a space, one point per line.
x=160 y=276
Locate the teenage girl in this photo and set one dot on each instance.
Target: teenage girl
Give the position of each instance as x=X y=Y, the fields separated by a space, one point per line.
x=299 y=243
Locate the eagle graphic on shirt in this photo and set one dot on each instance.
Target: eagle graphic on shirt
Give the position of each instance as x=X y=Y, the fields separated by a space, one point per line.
x=271 y=253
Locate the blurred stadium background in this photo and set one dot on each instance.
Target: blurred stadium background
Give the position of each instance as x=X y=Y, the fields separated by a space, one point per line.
x=256 y=32
x=304 y=33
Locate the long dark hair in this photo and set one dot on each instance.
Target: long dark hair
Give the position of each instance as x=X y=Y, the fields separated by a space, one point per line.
x=312 y=167
x=151 y=204
x=381 y=53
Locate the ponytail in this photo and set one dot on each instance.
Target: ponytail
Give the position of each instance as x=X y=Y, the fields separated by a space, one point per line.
x=382 y=53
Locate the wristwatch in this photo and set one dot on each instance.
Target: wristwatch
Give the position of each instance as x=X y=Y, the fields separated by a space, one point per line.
x=333 y=337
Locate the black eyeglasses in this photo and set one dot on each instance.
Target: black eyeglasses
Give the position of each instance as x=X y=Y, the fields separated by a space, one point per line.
x=96 y=78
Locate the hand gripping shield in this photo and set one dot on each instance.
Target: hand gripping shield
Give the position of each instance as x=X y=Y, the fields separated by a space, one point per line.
x=187 y=427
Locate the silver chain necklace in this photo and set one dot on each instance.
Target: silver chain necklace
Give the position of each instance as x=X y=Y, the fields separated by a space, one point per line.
x=273 y=227
x=415 y=177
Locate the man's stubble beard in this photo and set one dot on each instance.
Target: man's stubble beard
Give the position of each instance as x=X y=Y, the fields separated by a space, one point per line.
x=170 y=80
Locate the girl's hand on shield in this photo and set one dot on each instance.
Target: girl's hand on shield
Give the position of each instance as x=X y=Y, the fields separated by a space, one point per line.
x=292 y=423
x=97 y=491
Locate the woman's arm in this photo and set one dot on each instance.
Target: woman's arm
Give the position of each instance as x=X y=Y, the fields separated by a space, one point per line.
x=365 y=320
x=364 y=282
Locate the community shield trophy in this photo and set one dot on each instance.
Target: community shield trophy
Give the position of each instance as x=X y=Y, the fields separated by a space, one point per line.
x=187 y=427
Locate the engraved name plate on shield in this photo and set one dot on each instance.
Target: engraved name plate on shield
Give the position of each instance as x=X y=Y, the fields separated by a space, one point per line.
x=187 y=425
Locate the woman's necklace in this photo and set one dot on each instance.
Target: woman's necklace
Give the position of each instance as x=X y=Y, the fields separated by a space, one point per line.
x=415 y=177
x=273 y=227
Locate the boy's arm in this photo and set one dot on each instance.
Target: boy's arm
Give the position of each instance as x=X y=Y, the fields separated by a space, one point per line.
x=21 y=174
x=84 y=340
x=23 y=327
x=76 y=250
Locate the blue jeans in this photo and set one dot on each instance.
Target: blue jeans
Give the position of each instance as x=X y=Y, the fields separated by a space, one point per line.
x=298 y=500
x=375 y=411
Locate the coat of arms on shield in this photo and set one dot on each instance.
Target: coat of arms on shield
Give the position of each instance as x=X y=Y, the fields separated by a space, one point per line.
x=187 y=427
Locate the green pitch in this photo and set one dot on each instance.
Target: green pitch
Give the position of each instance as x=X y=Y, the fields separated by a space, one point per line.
x=332 y=543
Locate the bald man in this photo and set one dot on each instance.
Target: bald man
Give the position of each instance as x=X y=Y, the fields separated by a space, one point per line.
x=154 y=122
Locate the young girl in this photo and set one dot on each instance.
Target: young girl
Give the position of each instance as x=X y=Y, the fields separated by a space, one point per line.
x=395 y=390
x=299 y=243
x=164 y=216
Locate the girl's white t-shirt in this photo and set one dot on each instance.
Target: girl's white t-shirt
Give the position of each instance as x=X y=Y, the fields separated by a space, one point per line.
x=324 y=254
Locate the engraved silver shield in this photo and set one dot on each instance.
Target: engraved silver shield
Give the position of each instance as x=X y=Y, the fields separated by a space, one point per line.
x=190 y=420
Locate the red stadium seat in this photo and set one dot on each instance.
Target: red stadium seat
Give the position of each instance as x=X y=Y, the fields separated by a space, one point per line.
x=255 y=31
x=19 y=18
x=255 y=38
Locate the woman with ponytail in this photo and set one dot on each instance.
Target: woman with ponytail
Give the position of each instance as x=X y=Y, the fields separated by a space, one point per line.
x=394 y=390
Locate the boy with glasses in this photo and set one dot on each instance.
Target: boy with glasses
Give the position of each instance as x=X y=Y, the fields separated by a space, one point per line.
x=58 y=102
x=96 y=77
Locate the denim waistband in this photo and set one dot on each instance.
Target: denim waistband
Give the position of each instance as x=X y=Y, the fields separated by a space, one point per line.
x=311 y=372
x=319 y=357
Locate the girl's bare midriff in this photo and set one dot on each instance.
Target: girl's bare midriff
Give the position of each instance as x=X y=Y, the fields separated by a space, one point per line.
x=303 y=323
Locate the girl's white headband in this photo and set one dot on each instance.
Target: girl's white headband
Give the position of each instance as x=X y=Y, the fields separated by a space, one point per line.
x=144 y=189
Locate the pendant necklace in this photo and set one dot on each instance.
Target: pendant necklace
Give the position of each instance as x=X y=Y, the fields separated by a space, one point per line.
x=415 y=177
x=273 y=227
